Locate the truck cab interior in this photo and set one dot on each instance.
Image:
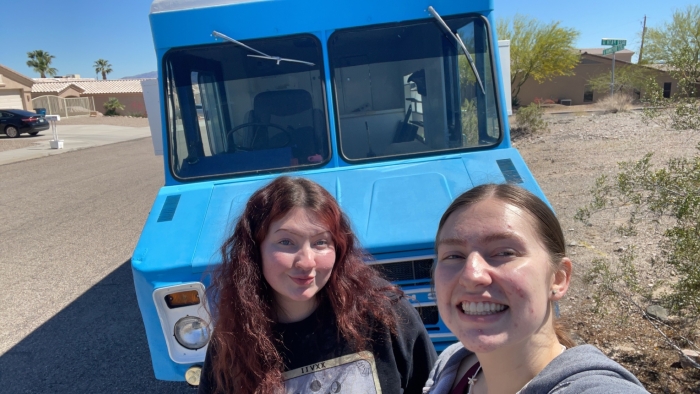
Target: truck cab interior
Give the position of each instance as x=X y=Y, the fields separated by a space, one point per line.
x=399 y=91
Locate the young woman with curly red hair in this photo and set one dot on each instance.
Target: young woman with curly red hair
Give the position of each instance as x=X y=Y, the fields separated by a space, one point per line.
x=298 y=310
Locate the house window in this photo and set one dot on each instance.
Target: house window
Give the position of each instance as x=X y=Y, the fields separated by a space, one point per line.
x=667 y=89
x=587 y=96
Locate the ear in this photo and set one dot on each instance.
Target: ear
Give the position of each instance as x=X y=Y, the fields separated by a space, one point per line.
x=562 y=278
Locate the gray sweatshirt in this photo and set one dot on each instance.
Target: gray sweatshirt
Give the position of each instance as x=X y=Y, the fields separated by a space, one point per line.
x=582 y=369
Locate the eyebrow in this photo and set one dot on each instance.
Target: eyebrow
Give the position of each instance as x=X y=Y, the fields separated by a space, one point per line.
x=485 y=239
x=297 y=234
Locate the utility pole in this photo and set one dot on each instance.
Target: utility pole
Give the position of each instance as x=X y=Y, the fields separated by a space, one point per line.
x=641 y=47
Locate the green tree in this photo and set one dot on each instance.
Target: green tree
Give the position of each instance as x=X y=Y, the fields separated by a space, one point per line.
x=112 y=106
x=102 y=66
x=628 y=79
x=40 y=61
x=538 y=50
x=676 y=45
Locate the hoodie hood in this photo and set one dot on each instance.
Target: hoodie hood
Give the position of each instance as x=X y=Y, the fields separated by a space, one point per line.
x=581 y=369
x=584 y=369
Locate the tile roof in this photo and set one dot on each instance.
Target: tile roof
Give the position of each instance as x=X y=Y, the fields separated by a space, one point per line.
x=53 y=87
x=23 y=78
x=659 y=66
x=89 y=86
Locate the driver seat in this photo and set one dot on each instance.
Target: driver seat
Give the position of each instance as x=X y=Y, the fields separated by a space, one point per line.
x=293 y=110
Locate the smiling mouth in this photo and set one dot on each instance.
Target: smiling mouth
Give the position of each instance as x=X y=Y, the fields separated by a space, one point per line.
x=303 y=281
x=482 y=308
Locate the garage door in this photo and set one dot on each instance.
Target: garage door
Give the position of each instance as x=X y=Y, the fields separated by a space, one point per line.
x=11 y=99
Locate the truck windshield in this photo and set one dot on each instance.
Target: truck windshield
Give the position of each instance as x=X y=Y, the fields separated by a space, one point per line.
x=232 y=113
x=407 y=90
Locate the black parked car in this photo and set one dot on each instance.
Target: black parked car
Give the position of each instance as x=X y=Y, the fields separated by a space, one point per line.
x=13 y=122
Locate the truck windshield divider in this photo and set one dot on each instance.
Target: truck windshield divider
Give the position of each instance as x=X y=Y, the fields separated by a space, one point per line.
x=261 y=55
x=446 y=28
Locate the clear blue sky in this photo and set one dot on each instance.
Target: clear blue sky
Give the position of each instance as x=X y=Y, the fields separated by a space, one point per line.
x=78 y=32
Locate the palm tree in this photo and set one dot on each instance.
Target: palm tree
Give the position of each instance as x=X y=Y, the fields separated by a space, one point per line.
x=40 y=61
x=103 y=66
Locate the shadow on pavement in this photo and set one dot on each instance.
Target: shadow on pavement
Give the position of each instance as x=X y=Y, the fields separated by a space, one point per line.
x=97 y=344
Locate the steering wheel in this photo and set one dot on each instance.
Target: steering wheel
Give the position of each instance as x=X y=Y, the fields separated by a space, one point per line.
x=284 y=131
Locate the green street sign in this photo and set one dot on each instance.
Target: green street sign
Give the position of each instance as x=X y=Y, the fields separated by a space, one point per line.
x=614 y=49
x=613 y=41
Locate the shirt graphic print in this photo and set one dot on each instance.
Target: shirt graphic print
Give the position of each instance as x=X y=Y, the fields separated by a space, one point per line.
x=354 y=373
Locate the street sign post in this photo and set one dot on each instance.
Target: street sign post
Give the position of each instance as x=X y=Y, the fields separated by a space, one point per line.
x=617 y=45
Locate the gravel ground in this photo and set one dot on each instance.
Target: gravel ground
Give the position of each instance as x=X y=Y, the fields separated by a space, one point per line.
x=566 y=160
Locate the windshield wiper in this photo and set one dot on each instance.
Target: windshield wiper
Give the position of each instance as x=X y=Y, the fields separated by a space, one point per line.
x=446 y=28
x=260 y=55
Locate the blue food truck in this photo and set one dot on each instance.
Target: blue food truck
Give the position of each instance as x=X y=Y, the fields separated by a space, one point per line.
x=394 y=106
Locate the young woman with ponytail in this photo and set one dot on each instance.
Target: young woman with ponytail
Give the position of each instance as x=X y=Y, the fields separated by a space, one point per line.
x=501 y=266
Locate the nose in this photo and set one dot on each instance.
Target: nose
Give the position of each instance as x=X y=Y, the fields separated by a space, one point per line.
x=475 y=272
x=305 y=258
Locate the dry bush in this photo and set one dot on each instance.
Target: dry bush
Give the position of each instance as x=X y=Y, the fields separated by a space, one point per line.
x=530 y=119
x=618 y=103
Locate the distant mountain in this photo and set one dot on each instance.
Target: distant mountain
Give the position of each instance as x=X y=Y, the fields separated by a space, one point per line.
x=151 y=74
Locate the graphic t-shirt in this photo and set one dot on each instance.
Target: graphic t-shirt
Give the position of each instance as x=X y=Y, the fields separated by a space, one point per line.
x=354 y=373
x=318 y=360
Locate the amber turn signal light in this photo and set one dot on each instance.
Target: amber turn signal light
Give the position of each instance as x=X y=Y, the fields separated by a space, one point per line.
x=183 y=298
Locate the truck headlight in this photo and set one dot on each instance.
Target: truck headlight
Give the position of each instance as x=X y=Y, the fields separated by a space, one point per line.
x=192 y=332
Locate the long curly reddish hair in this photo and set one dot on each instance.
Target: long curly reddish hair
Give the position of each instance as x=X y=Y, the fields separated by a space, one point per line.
x=247 y=360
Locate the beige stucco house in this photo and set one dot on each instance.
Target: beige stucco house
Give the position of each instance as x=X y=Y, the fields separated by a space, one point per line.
x=575 y=87
x=127 y=91
x=15 y=90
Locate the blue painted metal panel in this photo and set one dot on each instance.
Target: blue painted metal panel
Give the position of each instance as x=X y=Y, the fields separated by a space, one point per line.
x=285 y=17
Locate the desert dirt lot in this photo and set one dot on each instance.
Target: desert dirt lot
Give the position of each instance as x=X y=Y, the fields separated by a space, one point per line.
x=566 y=160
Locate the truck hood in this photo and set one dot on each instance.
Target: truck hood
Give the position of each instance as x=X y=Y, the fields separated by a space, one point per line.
x=393 y=208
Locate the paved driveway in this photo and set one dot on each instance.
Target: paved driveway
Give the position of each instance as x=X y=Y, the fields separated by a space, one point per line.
x=74 y=137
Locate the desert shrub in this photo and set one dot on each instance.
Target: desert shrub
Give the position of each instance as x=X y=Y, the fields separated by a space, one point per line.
x=112 y=106
x=617 y=283
x=530 y=119
x=618 y=103
x=666 y=197
x=681 y=111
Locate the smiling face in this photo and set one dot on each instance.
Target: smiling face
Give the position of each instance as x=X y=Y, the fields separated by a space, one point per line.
x=493 y=277
x=298 y=255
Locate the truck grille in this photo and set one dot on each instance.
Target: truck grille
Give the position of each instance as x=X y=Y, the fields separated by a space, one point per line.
x=428 y=314
x=411 y=271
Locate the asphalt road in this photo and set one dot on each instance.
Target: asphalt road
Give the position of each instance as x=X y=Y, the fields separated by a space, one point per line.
x=69 y=322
